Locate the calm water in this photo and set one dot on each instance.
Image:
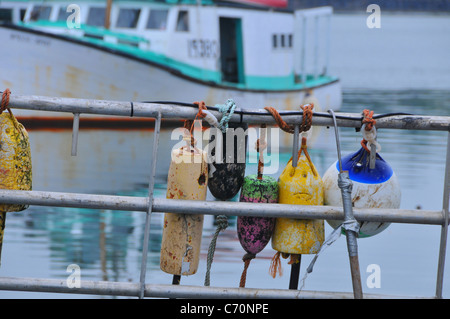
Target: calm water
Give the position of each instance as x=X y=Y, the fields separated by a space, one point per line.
x=382 y=71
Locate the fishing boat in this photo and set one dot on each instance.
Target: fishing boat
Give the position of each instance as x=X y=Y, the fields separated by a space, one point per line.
x=257 y=52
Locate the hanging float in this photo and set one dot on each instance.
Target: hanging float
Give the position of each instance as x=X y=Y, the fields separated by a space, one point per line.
x=182 y=233
x=227 y=170
x=15 y=159
x=299 y=184
x=254 y=233
x=375 y=183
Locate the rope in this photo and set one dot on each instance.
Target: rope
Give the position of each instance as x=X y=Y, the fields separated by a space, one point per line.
x=306 y=118
x=246 y=259
x=227 y=111
x=222 y=223
x=369 y=131
x=368 y=119
x=5 y=101
x=275 y=266
x=189 y=124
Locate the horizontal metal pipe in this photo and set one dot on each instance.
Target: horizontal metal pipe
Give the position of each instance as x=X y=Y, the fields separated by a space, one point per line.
x=172 y=111
x=169 y=291
x=131 y=203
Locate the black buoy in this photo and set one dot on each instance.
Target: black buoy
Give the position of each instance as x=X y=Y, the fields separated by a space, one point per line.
x=227 y=170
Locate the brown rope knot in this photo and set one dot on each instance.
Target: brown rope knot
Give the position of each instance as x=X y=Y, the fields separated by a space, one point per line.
x=280 y=122
x=246 y=259
x=201 y=106
x=5 y=100
x=306 y=118
x=368 y=120
x=370 y=123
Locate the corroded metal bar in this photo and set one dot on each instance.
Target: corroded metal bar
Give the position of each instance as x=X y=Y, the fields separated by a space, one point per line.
x=172 y=111
x=170 y=291
x=131 y=203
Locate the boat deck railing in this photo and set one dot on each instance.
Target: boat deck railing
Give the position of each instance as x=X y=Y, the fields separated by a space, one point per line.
x=150 y=205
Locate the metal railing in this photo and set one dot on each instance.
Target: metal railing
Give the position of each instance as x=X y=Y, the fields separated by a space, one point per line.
x=149 y=204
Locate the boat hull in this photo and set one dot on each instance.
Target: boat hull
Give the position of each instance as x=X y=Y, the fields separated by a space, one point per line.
x=39 y=63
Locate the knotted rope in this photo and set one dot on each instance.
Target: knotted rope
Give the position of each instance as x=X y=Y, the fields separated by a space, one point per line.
x=306 y=118
x=227 y=111
x=5 y=101
x=369 y=131
x=222 y=224
x=246 y=259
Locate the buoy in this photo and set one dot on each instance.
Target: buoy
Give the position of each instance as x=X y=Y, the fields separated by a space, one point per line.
x=15 y=159
x=378 y=187
x=254 y=233
x=375 y=187
x=301 y=185
x=182 y=233
x=227 y=170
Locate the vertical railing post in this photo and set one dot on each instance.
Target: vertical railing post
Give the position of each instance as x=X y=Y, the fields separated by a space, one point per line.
x=151 y=187
x=444 y=228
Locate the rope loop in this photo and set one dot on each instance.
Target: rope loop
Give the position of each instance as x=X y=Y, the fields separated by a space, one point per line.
x=227 y=111
x=5 y=101
x=201 y=107
x=369 y=131
x=280 y=122
x=306 y=118
x=368 y=119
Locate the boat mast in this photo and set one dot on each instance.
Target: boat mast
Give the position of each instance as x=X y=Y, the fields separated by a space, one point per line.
x=108 y=14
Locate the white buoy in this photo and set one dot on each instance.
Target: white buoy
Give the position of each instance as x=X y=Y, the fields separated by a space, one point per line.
x=372 y=188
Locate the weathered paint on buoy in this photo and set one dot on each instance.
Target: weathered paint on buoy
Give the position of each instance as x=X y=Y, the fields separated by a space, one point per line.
x=299 y=185
x=372 y=188
x=255 y=232
x=182 y=233
x=227 y=175
x=15 y=163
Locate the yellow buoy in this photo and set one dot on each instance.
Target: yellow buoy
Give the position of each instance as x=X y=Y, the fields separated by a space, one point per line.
x=182 y=233
x=15 y=160
x=300 y=185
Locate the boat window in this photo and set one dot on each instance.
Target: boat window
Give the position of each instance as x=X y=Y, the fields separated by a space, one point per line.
x=5 y=15
x=63 y=14
x=183 y=21
x=128 y=18
x=96 y=17
x=274 y=40
x=22 y=14
x=157 y=19
x=40 y=13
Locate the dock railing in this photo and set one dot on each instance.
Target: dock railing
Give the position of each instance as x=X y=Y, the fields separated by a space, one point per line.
x=150 y=205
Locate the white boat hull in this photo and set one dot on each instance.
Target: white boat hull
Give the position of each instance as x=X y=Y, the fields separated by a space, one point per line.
x=37 y=63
